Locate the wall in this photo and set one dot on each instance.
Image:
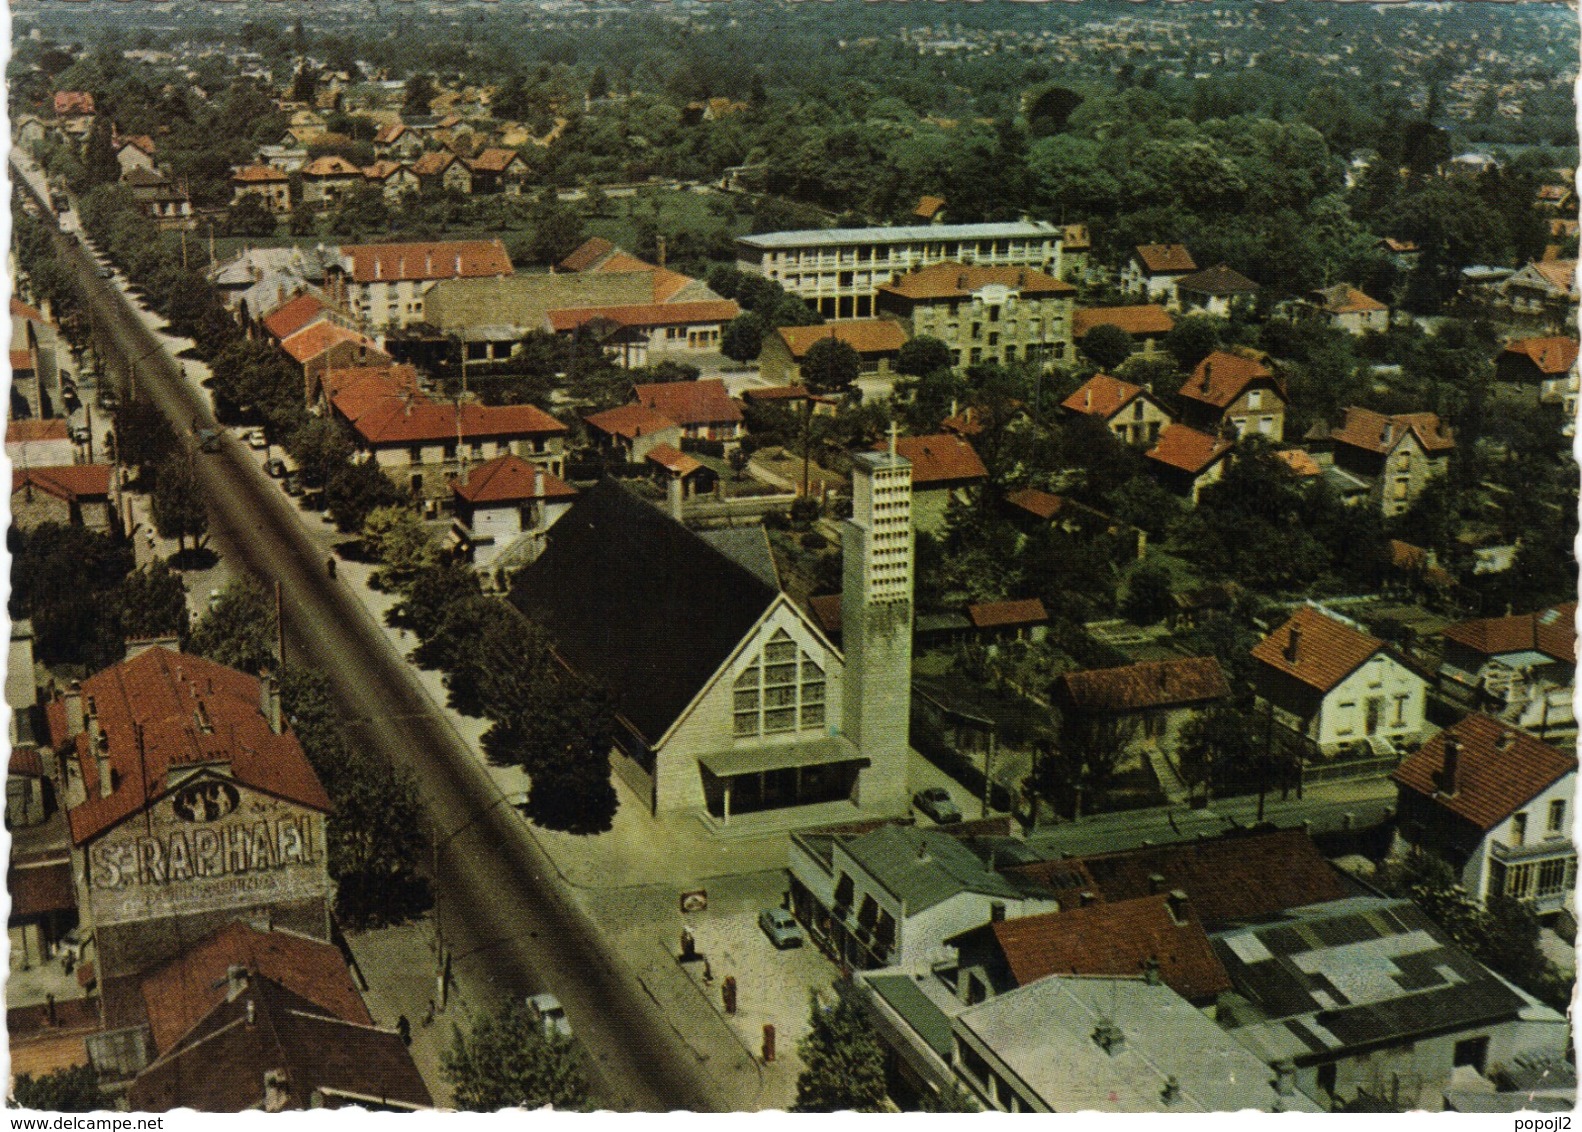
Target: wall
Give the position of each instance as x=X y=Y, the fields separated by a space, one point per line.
x=1381 y=677
x=1476 y=876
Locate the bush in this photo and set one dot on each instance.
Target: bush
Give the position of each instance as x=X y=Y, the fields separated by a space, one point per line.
x=814 y=541
x=804 y=509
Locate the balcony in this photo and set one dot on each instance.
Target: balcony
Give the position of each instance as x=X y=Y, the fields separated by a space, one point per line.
x=1531 y=851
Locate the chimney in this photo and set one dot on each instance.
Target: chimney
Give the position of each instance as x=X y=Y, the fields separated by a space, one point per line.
x=277 y=1084
x=659 y=246
x=1506 y=741
x=1292 y=645
x=1086 y=899
x=235 y=982
x=1156 y=883
x=997 y=912
x=1208 y=373
x=269 y=701
x=73 y=701
x=252 y=1012
x=1151 y=971
x=538 y=481
x=100 y=742
x=673 y=495
x=1284 y=1078
x=1176 y=902
x=379 y=268
x=1447 y=776
x=1109 y=1037
x=1384 y=434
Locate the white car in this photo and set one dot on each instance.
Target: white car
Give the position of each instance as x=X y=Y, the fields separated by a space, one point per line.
x=549 y=1014
x=257 y=439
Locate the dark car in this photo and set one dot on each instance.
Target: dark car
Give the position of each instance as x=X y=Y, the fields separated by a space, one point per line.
x=292 y=484
x=275 y=468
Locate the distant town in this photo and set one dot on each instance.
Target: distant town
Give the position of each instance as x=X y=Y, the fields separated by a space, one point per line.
x=999 y=558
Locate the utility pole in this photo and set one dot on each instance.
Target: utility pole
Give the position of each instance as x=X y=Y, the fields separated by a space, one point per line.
x=280 y=625
x=988 y=774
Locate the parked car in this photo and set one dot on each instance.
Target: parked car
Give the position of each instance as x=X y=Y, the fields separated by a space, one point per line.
x=275 y=468
x=549 y=1014
x=935 y=801
x=257 y=439
x=781 y=928
x=292 y=483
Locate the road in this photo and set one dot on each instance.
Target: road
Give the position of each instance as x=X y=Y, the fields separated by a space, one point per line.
x=503 y=908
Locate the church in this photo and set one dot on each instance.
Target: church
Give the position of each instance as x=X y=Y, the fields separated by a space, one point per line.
x=730 y=700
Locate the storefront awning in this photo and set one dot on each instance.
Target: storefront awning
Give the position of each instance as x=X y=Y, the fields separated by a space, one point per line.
x=756 y=760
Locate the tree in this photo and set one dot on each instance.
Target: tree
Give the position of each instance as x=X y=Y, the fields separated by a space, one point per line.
x=557 y=231
x=142 y=436
x=1219 y=750
x=250 y=216
x=153 y=603
x=743 y=337
x=430 y=595
x=1078 y=763
x=64 y=578
x=830 y=366
x=100 y=166
x=178 y=503
x=922 y=356
x=509 y=1061
x=419 y=93
x=238 y=631
x=397 y=538
x=65 y=1090
x=1149 y=597
x=844 y=1061
x=1194 y=337
x=1107 y=346
x=355 y=490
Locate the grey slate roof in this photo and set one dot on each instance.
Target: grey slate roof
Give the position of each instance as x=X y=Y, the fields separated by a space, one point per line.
x=638 y=602
x=923 y=868
x=748 y=547
x=833 y=236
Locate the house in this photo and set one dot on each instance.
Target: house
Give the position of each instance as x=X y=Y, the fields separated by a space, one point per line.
x=1031 y=509
x=1228 y=394
x=422 y=444
x=40 y=360
x=159 y=198
x=984 y=313
x=271 y=1049
x=1542 y=293
x=1337 y=686
x=1153 y=269
x=1075 y=245
x=78 y=495
x=135 y=152
x=1129 y=411
x=1397 y=455
x=703 y=409
x=929 y=210
x=1214 y=291
x=385 y=284
x=644 y=333
x=729 y=700
x=397 y=143
x=30 y=133
x=945 y=470
x=1150 y=701
x=265 y=182
x=630 y=432
x=791 y=398
x=323 y=345
x=297 y=313
x=838 y=271
x=327 y=181
x=287 y=158
x=181 y=777
x=998 y=623
x=1346 y=308
x=1158 y=936
x=1186 y=460
x=877 y=342
x=683 y=477
x=1497 y=805
x=1403 y=254
x=892 y=895
x=1539 y=365
x=1521 y=667
x=394 y=180
x=1147 y=324
x=73 y=104
x=1369 y=996
x=442 y=172
x=1067 y=1043
x=39 y=443
x=503 y=509
x=498 y=171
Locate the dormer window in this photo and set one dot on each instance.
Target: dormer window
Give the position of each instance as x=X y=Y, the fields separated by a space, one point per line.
x=1255 y=398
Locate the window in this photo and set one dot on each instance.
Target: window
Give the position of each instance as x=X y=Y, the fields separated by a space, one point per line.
x=1255 y=398
x=782 y=690
x=1472 y=1052
x=1519 y=829
x=1557 y=816
x=1556 y=876
x=1345 y=722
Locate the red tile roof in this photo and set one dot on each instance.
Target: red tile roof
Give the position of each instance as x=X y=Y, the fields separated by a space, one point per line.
x=432 y=164
x=826 y=611
x=1188 y=449
x=1549 y=631
x=865 y=335
x=73 y=482
x=630 y=421
x=179 y=993
x=1300 y=461
x=1164 y=259
x=1220 y=378
x=391 y=380
x=1145 y=321
x=1551 y=355
x=21 y=361
x=927 y=206
x=388 y=134
x=647 y=315
x=1040 y=504
x=162 y=693
x=1326 y=650
x=1345 y=299
x=495 y=160
x=259 y=174
x=394 y=422
x=939 y=460
x=292 y=315
x=957 y=281
x=446 y=259
x=308 y=343
x=690 y=402
x=1375 y=432
x=511 y=479
x=673 y=460
x=1561 y=274
x=1498 y=771
x=1111 y=939
x=1101 y=396
x=1148 y=684
x=330 y=167
x=69 y=103
x=1000 y=614
x=588 y=254
x=38 y=889
x=382 y=170
x=26 y=431
x=20 y=309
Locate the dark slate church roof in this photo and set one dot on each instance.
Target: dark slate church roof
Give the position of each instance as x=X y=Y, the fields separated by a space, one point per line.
x=640 y=603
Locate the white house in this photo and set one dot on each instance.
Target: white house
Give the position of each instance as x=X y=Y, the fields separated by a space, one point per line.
x=1521 y=668
x=892 y=896
x=1497 y=805
x=503 y=509
x=1336 y=685
x=1153 y=269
